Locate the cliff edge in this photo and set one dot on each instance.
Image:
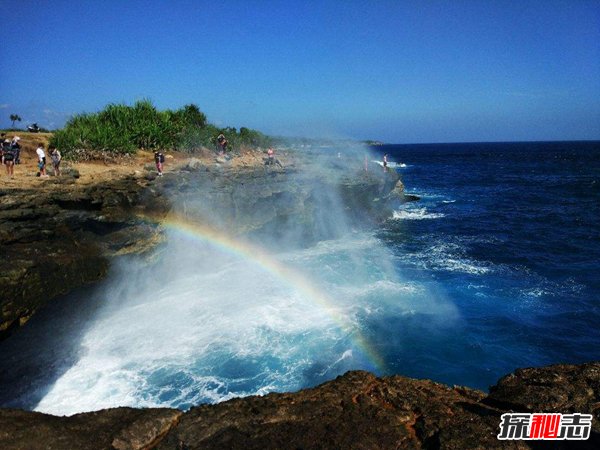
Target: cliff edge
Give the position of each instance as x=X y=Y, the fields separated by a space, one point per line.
x=356 y=410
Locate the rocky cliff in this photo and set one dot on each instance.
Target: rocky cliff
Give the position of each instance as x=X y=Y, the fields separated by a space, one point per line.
x=59 y=234
x=356 y=410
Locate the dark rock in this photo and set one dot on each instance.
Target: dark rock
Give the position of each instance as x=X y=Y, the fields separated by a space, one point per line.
x=356 y=410
x=64 y=237
x=411 y=198
x=119 y=429
x=559 y=388
x=69 y=172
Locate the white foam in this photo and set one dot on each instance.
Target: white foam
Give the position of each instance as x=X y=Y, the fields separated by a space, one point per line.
x=534 y=292
x=446 y=256
x=203 y=326
x=415 y=214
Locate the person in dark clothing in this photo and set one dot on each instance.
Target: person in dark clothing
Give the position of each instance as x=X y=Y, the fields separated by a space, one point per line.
x=16 y=147
x=8 y=158
x=222 y=142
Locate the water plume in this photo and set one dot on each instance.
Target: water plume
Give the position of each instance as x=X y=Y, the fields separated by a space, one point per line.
x=228 y=308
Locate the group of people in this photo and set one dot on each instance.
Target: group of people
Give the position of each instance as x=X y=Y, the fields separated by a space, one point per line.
x=55 y=156
x=10 y=153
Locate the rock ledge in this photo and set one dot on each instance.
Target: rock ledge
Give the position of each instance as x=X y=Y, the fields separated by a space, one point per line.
x=356 y=410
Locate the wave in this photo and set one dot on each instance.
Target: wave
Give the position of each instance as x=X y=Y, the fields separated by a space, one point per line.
x=415 y=214
x=446 y=256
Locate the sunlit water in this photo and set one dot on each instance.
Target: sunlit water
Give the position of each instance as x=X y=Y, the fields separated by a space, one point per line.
x=492 y=270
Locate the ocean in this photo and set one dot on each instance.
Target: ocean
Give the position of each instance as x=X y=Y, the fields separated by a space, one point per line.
x=494 y=268
x=510 y=233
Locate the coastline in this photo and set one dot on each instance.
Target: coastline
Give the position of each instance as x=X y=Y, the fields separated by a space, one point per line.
x=88 y=217
x=62 y=232
x=356 y=410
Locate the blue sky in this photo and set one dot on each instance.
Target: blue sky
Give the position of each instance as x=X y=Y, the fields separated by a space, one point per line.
x=400 y=71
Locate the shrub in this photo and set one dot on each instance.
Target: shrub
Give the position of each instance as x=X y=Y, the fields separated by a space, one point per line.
x=120 y=129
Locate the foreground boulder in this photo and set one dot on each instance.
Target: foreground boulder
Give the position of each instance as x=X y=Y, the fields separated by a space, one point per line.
x=356 y=410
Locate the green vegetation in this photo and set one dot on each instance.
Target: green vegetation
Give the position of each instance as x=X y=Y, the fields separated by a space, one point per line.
x=120 y=129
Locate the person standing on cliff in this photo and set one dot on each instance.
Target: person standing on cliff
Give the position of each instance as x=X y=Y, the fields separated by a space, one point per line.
x=4 y=148
x=271 y=158
x=222 y=143
x=8 y=158
x=16 y=147
x=41 y=160
x=56 y=159
x=159 y=159
x=385 y=163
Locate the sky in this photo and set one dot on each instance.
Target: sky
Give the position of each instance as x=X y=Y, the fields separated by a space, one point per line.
x=396 y=71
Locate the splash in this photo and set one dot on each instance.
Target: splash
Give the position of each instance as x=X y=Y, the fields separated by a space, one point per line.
x=293 y=278
x=212 y=318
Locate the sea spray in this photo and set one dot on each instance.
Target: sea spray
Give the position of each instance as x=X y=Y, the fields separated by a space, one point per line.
x=220 y=315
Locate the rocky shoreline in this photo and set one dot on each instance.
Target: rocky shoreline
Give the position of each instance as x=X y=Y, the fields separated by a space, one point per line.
x=61 y=235
x=356 y=410
x=64 y=234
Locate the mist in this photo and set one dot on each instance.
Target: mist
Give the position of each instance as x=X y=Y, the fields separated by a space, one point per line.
x=276 y=283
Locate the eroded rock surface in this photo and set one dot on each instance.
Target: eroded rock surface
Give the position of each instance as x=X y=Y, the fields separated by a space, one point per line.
x=356 y=410
x=118 y=428
x=62 y=235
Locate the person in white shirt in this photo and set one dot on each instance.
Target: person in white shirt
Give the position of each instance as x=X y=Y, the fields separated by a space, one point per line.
x=41 y=160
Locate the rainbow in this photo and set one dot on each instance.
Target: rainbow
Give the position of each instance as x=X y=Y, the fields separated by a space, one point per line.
x=294 y=279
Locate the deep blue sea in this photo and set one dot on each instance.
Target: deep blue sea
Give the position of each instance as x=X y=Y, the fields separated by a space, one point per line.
x=496 y=267
x=510 y=232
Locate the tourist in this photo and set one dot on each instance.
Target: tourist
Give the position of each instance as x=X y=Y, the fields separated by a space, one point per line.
x=159 y=159
x=5 y=147
x=8 y=158
x=385 y=162
x=271 y=158
x=222 y=142
x=1 y=153
x=41 y=160
x=56 y=158
x=16 y=149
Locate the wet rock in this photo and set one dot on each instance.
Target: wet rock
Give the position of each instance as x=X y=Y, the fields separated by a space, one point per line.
x=411 y=198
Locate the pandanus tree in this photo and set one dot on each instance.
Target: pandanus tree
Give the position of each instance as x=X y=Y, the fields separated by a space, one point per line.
x=15 y=118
